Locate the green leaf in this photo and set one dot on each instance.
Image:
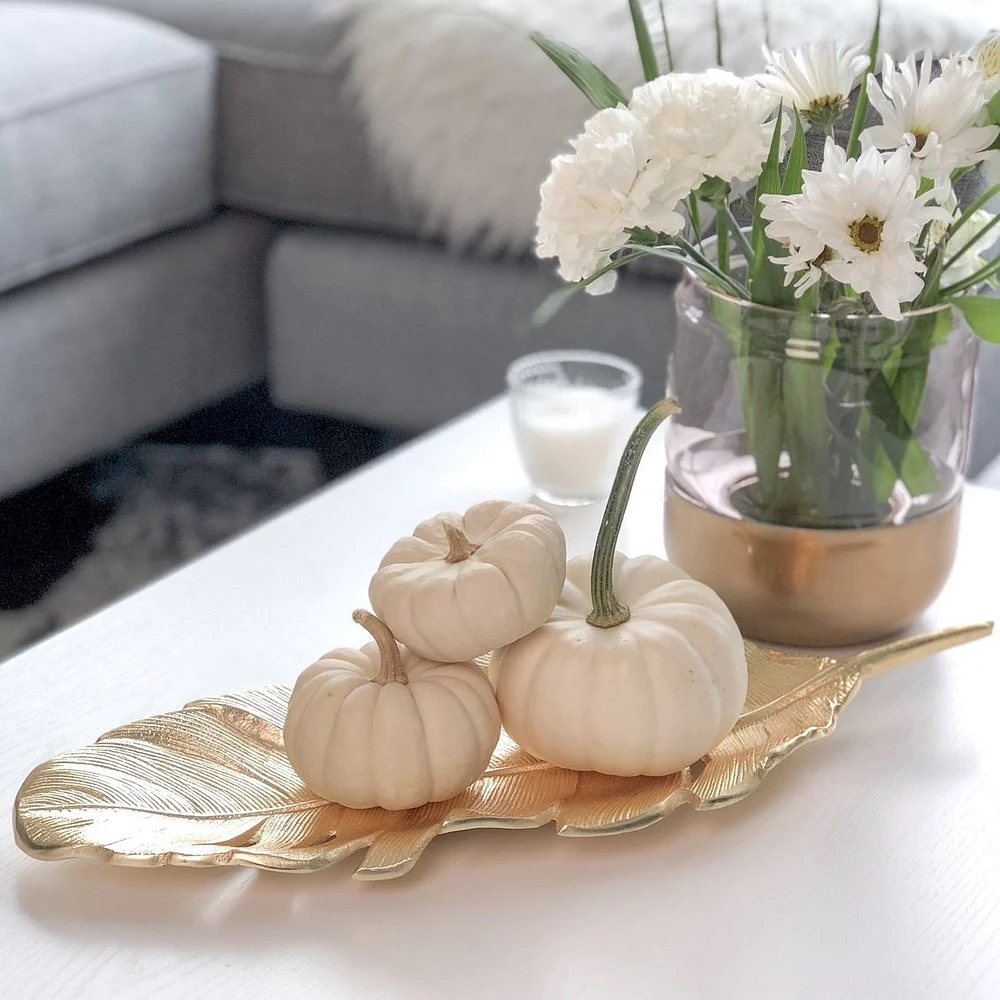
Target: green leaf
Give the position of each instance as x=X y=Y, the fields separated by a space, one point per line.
x=595 y=85
x=792 y=181
x=993 y=109
x=895 y=432
x=650 y=68
x=717 y=18
x=666 y=36
x=982 y=313
x=689 y=257
x=806 y=432
x=766 y=279
x=861 y=111
x=558 y=299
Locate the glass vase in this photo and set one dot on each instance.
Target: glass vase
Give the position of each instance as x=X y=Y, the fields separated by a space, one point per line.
x=816 y=470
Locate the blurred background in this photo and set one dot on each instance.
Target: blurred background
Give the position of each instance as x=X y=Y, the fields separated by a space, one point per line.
x=248 y=246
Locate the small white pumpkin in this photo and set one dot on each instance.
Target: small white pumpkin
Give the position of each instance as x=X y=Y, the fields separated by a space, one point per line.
x=461 y=586
x=383 y=727
x=643 y=685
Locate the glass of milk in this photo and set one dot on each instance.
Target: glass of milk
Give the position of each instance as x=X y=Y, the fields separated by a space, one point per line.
x=572 y=413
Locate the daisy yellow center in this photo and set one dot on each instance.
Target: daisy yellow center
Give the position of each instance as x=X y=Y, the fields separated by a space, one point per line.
x=989 y=59
x=867 y=233
x=921 y=141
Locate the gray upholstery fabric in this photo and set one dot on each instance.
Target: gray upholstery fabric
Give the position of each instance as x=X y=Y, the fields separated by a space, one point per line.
x=106 y=129
x=95 y=356
x=986 y=412
x=290 y=142
x=291 y=145
x=408 y=335
x=271 y=29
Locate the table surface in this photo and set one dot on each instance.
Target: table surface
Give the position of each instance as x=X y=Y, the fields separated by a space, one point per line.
x=867 y=866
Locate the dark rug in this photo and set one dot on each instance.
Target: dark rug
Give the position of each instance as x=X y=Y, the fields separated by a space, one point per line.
x=168 y=504
x=72 y=545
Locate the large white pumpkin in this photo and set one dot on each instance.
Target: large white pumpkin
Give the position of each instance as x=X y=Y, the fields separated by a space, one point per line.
x=463 y=585
x=649 y=696
x=639 y=669
x=380 y=726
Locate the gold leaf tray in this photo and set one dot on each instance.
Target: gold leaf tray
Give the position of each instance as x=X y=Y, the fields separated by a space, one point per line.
x=210 y=785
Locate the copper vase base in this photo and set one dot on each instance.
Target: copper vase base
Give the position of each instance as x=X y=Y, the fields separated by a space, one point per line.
x=814 y=587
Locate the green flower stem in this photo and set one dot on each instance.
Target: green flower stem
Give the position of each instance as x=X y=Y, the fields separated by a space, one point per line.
x=695 y=216
x=608 y=611
x=973 y=208
x=722 y=248
x=966 y=247
x=734 y=227
x=984 y=274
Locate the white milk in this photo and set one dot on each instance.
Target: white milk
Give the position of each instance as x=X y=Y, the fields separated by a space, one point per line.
x=571 y=438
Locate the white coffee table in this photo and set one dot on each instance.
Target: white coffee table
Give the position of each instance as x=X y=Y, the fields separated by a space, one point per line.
x=868 y=866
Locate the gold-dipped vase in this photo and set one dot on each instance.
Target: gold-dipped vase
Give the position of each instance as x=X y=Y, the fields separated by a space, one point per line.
x=815 y=587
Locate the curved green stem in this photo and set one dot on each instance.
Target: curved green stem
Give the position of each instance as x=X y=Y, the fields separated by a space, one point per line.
x=608 y=611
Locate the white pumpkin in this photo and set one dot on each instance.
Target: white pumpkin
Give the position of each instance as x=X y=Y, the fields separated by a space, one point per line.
x=383 y=727
x=461 y=586
x=639 y=670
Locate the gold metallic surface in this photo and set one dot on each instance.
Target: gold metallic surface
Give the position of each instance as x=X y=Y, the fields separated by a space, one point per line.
x=810 y=587
x=210 y=785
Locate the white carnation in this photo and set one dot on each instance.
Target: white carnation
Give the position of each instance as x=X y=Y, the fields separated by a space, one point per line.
x=611 y=182
x=714 y=122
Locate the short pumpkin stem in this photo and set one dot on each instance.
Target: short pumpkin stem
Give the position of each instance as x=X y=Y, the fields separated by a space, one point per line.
x=390 y=669
x=459 y=546
x=608 y=611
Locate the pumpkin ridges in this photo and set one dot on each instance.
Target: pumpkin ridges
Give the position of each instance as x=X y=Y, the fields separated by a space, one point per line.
x=507 y=514
x=460 y=610
x=399 y=752
x=340 y=766
x=443 y=737
x=430 y=530
x=410 y=550
x=307 y=689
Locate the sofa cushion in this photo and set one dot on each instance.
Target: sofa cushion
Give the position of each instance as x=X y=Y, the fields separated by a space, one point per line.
x=291 y=143
x=106 y=125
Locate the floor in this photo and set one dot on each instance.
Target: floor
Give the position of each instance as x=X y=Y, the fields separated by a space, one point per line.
x=47 y=531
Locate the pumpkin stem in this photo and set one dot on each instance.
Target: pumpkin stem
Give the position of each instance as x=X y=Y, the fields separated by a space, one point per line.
x=390 y=664
x=459 y=546
x=608 y=611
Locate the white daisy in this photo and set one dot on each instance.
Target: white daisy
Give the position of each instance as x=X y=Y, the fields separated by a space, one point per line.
x=713 y=122
x=935 y=119
x=857 y=220
x=987 y=57
x=817 y=79
x=607 y=185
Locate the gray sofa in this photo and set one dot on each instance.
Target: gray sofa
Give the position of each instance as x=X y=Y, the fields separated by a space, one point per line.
x=190 y=205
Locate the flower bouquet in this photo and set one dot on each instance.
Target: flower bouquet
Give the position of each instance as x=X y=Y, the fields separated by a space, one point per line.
x=835 y=270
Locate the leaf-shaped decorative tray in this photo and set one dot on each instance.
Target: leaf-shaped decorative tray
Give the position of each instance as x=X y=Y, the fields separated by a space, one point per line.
x=211 y=785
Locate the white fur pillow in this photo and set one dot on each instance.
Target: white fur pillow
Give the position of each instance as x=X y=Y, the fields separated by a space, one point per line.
x=467 y=113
